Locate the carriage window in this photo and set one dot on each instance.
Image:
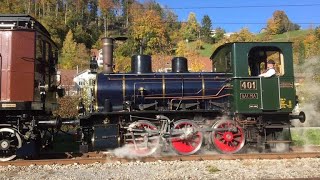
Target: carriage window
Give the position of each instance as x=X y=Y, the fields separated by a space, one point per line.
x=39 y=49
x=259 y=56
x=46 y=51
x=222 y=61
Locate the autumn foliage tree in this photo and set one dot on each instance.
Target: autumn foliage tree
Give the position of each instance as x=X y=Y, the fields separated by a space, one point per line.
x=69 y=52
x=106 y=6
x=67 y=107
x=73 y=55
x=244 y=35
x=280 y=23
x=147 y=29
x=191 y=54
x=190 y=30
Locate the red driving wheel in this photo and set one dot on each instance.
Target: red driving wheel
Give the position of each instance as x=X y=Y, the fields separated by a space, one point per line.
x=228 y=141
x=146 y=141
x=186 y=139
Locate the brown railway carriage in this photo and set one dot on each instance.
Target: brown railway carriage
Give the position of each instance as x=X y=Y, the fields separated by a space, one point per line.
x=28 y=59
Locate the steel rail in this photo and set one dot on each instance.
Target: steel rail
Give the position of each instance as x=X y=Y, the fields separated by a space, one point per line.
x=108 y=158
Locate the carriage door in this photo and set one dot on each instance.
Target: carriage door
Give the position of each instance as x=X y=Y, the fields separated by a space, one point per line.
x=270 y=93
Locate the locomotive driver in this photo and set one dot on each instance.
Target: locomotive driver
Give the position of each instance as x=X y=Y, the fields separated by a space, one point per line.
x=270 y=69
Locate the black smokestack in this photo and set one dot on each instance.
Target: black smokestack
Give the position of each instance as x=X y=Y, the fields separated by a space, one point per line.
x=107 y=54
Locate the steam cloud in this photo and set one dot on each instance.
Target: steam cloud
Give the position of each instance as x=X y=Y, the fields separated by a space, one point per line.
x=308 y=88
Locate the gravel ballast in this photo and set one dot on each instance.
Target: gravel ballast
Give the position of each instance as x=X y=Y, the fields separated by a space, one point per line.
x=215 y=169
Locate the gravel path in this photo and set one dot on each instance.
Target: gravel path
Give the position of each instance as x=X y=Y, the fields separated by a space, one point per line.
x=220 y=169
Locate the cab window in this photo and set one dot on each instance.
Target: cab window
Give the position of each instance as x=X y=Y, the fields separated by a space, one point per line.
x=258 y=58
x=222 y=61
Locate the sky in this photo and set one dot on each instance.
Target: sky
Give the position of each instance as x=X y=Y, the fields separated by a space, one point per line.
x=232 y=15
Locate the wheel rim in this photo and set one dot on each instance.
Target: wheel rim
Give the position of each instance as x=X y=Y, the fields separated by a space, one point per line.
x=187 y=141
x=145 y=144
x=10 y=141
x=228 y=141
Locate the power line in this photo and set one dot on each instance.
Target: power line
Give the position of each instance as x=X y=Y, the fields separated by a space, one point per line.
x=181 y=22
x=233 y=7
x=259 y=23
x=248 y=6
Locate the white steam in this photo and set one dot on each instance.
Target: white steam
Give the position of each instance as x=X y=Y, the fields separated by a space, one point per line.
x=308 y=90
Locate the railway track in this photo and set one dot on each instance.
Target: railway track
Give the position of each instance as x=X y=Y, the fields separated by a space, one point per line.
x=93 y=157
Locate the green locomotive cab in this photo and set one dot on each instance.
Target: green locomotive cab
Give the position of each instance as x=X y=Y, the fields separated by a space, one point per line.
x=252 y=93
x=262 y=106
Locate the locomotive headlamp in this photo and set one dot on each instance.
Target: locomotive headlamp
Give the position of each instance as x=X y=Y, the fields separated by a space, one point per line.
x=141 y=90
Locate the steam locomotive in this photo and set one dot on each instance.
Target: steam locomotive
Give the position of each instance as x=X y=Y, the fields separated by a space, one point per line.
x=227 y=109
x=28 y=83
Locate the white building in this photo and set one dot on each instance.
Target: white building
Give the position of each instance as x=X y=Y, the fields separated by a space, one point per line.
x=100 y=58
x=84 y=79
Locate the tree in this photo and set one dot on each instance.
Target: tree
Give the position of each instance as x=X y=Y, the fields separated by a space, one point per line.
x=81 y=36
x=243 y=36
x=312 y=45
x=181 y=49
x=67 y=107
x=190 y=30
x=219 y=34
x=172 y=26
x=317 y=32
x=69 y=52
x=147 y=28
x=82 y=58
x=280 y=23
x=206 y=26
x=191 y=54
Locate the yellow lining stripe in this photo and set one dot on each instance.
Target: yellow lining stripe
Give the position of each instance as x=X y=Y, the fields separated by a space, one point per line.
x=163 y=86
x=123 y=87
x=203 y=87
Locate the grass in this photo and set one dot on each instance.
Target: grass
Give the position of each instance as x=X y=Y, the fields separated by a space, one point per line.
x=212 y=169
x=302 y=137
x=206 y=50
x=289 y=35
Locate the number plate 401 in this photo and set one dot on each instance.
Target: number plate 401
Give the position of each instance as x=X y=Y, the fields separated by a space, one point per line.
x=248 y=85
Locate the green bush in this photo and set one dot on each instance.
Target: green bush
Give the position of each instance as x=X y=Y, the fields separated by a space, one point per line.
x=306 y=137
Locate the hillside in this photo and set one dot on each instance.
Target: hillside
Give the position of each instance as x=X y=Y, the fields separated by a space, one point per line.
x=207 y=49
x=288 y=36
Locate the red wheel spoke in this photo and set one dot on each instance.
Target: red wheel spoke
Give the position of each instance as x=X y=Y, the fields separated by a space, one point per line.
x=236 y=140
x=221 y=133
x=239 y=134
x=143 y=144
x=191 y=142
x=228 y=141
